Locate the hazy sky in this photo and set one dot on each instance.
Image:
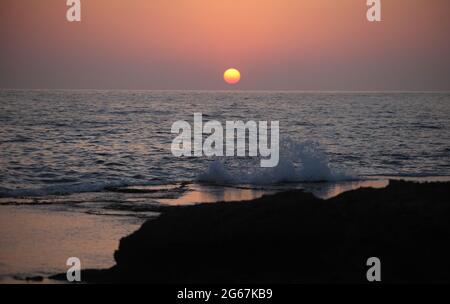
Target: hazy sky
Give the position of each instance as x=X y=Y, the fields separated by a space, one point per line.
x=187 y=44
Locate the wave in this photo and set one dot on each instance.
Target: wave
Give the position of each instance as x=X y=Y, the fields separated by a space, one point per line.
x=299 y=162
x=63 y=189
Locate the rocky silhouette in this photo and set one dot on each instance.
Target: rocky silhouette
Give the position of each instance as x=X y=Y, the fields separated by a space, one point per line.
x=294 y=237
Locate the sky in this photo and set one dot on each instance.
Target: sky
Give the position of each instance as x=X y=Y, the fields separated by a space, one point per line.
x=320 y=45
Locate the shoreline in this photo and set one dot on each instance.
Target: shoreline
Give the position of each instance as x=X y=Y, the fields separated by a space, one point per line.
x=293 y=237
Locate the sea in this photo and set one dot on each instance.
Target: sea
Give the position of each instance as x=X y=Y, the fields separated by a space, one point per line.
x=80 y=169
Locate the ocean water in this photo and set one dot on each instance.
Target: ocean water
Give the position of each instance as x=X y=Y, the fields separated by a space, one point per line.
x=63 y=142
x=81 y=169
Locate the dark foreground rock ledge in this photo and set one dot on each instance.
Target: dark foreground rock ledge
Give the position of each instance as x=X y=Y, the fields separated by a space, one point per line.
x=293 y=237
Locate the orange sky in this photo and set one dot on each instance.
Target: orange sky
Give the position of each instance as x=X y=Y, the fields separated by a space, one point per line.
x=187 y=44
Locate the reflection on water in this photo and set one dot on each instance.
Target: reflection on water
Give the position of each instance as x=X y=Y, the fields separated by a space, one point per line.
x=197 y=193
x=38 y=241
x=329 y=190
x=211 y=194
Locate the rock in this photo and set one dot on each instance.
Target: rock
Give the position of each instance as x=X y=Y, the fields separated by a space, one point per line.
x=293 y=237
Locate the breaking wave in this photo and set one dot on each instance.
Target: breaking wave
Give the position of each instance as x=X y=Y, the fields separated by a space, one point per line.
x=299 y=162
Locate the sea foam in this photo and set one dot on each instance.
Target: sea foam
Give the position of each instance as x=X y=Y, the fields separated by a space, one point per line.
x=299 y=162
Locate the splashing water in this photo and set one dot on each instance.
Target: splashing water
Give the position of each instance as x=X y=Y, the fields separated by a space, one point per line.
x=299 y=162
x=64 y=142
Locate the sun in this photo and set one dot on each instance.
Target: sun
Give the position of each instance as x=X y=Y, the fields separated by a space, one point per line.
x=232 y=76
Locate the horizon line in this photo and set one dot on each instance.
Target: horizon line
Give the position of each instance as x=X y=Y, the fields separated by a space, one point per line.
x=227 y=90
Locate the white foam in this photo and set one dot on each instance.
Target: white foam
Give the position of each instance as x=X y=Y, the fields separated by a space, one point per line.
x=62 y=189
x=299 y=162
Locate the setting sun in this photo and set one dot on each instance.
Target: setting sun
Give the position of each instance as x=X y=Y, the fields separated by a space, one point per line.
x=232 y=76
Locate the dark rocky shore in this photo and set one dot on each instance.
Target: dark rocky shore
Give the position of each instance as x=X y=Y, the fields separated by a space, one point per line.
x=293 y=237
